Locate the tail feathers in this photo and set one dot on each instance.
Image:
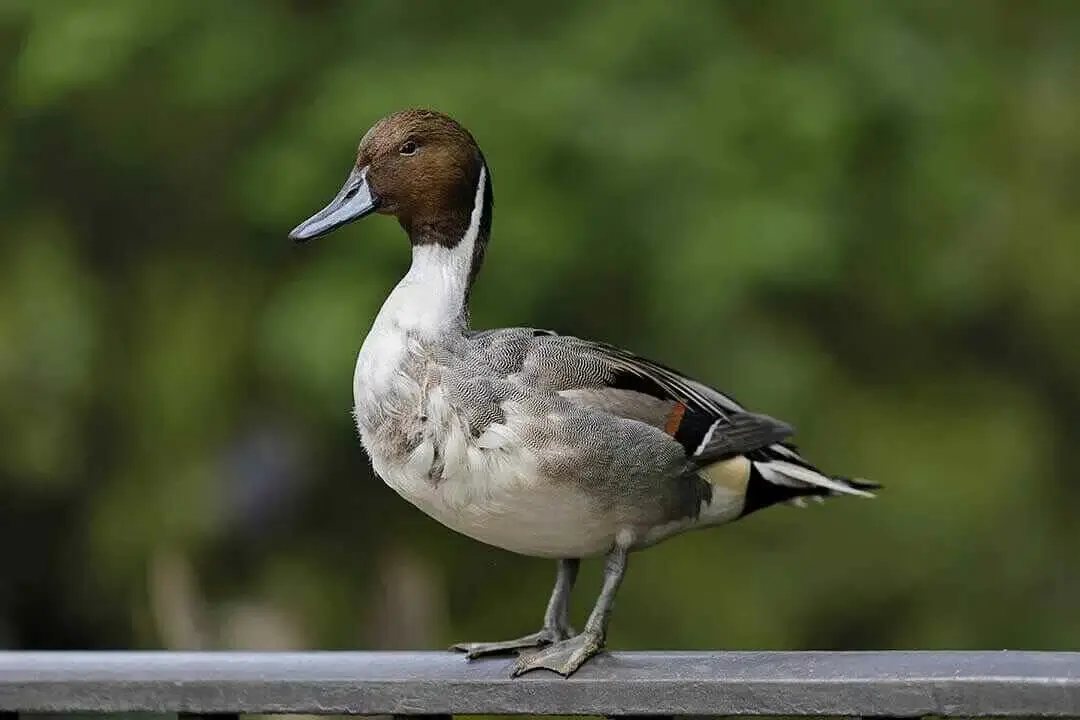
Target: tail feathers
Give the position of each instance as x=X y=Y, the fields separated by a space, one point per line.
x=781 y=472
x=738 y=434
x=860 y=483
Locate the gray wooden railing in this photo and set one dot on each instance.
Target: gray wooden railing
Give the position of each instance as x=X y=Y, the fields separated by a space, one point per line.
x=225 y=684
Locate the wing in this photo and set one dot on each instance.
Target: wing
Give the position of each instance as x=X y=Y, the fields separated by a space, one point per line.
x=610 y=378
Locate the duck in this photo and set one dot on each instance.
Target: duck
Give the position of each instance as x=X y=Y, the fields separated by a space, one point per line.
x=543 y=444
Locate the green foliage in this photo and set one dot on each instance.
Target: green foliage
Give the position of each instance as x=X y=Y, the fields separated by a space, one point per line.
x=858 y=216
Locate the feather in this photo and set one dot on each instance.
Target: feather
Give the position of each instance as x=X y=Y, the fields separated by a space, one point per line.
x=739 y=434
x=605 y=377
x=780 y=472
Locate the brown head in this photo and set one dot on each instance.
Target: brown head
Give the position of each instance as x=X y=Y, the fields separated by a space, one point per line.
x=423 y=168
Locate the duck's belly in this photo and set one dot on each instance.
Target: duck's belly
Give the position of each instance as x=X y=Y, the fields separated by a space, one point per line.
x=499 y=498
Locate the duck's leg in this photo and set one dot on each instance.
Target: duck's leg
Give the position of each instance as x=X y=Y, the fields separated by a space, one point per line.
x=556 y=619
x=566 y=656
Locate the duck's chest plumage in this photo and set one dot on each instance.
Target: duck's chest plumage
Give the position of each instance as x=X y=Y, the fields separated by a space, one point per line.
x=459 y=445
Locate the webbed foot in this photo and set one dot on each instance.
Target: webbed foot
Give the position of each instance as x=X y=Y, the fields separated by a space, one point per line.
x=563 y=657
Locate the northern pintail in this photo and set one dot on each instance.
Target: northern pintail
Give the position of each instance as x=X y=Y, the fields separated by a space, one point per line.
x=539 y=443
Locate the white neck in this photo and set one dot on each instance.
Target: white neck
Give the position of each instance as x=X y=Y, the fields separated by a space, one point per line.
x=432 y=297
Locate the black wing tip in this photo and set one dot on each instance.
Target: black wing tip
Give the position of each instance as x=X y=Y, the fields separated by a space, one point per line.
x=738 y=434
x=780 y=428
x=755 y=428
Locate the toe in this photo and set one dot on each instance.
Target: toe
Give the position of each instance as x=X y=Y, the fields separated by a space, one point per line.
x=464 y=647
x=479 y=649
x=563 y=657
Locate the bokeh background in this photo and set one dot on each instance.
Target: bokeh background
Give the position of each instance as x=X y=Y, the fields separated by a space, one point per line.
x=862 y=217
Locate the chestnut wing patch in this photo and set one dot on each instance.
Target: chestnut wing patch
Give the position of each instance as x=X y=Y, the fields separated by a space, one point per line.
x=684 y=422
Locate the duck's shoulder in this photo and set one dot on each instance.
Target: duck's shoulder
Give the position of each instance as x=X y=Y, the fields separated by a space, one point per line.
x=572 y=362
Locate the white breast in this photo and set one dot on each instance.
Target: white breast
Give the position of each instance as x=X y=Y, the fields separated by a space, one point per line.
x=486 y=487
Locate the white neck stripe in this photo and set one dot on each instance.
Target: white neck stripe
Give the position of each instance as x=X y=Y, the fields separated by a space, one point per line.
x=473 y=231
x=431 y=298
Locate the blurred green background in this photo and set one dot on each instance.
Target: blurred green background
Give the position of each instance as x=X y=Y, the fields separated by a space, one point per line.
x=862 y=217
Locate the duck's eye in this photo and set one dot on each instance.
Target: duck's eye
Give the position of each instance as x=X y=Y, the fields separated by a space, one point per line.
x=409 y=148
